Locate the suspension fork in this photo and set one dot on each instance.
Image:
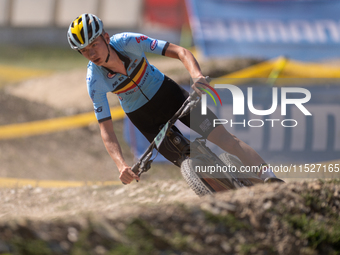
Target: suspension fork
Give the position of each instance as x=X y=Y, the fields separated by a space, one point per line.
x=181 y=143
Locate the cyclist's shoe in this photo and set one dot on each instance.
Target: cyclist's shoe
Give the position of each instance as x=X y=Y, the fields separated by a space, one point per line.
x=273 y=179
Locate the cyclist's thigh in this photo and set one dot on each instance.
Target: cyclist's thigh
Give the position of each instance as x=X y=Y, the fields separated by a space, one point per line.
x=202 y=124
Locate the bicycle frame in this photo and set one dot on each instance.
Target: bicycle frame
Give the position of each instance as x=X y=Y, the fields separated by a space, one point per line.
x=197 y=148
x=144 y=163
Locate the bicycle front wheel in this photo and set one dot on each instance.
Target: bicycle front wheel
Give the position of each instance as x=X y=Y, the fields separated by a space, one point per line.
x=203 y=182
x=191 y=177
x=247 y=178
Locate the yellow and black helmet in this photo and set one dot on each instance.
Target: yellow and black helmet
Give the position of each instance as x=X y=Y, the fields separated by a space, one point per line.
x=84 y=30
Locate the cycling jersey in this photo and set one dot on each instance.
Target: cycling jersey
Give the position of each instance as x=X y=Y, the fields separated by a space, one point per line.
x=134 y=89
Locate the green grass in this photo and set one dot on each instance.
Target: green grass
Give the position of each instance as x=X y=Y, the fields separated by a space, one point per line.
x=30 y=247
x=47 y=58
x=229 y=221
x=43 y=57
x=318 y=233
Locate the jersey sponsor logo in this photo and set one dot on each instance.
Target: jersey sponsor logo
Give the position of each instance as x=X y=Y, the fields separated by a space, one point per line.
x=134 y=64
x=126 y=39
x=114 y=84
x=131 y=91
x=110 y=76
x=92 y=94
x=153 y=45
x=141 y=38
x=91 y=84
x=99 y=109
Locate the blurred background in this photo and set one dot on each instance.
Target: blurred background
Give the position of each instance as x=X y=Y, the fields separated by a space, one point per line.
x=42 y=79
x=300 y=29
x=44 y=22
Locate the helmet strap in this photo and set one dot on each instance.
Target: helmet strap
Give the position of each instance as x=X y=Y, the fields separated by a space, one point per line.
x=108 y=50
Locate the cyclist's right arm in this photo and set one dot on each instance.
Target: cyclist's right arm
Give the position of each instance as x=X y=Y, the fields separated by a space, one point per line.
x=97 y=89
x=113 y=148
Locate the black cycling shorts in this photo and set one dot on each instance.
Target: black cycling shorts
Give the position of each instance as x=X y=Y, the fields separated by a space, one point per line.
x=161 y=107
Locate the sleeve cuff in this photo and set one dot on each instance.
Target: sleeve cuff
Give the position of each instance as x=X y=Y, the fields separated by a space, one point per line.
x=105 y=119
x=165 y=48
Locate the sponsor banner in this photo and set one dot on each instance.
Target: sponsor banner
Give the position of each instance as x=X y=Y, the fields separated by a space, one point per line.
x=299 y=124
x=168 y=13
x=304 y=30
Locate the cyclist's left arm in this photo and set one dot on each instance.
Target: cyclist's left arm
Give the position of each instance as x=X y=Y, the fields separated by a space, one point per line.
x=136 y=43
x=190 y=63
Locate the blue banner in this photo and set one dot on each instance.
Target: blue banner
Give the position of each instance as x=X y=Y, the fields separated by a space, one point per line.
x=304 y=30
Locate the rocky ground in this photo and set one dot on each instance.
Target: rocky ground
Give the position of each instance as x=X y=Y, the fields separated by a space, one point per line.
x=164 y=217
x=158 y=215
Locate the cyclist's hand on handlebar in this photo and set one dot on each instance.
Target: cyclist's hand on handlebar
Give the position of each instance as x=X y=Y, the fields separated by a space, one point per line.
x=127 y=176
x=199 y=84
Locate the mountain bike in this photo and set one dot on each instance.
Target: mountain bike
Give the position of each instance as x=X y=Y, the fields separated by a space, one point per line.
x=203 y=170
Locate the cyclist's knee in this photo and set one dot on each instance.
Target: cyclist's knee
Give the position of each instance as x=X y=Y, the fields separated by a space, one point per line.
x=231 y=144
x=225 y=140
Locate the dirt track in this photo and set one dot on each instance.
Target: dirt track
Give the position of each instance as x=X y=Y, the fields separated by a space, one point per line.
x=166 y=218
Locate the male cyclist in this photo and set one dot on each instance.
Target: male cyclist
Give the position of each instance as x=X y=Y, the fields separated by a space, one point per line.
x=148 y=97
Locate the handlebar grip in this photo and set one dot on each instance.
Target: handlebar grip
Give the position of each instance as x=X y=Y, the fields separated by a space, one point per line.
x=135 y=168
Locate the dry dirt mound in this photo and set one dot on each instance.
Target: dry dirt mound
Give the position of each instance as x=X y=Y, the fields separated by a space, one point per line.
x=295 y=218
x=65 y=91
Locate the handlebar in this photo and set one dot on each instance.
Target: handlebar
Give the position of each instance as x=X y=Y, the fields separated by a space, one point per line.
x=144 y=163
x=135 y=167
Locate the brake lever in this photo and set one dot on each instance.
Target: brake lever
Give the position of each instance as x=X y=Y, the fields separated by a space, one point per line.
x=145 y=167
x=145 y=164
x=191 y=104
